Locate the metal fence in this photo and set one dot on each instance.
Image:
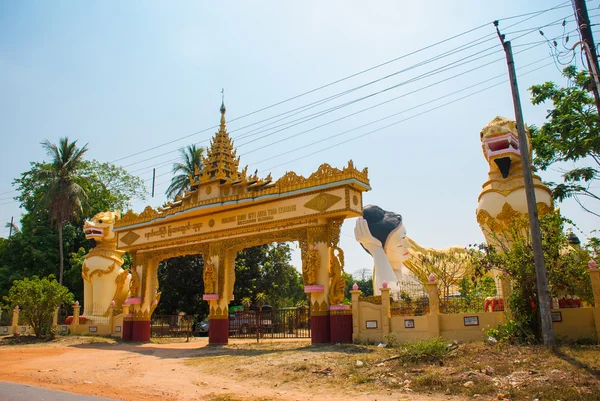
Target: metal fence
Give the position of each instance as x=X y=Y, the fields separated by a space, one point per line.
x=63 y=313
x=411 y=300
x=171 y=326
x=276 y=323
x=6 y=317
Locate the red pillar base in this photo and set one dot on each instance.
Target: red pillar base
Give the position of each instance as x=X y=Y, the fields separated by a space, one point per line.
x=218 y=333
x=140 y=331
x=127 y=329
x=340 y=328
x=319 y=329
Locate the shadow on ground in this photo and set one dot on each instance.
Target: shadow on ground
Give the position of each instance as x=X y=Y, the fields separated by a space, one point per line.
x=187 y=350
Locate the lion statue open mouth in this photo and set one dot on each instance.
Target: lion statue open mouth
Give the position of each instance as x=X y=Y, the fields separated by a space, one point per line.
x=502 y=200
x=104 y=279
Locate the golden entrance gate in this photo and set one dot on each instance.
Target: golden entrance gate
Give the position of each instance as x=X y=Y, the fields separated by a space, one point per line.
x=228 y=210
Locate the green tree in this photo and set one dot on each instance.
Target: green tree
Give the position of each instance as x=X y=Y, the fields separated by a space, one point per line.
x=191 y=159
x=38 y=299
x=64 y=195
x=181 y=284
x=267 y=269
x=570 y=134
x=364 y=280
x=33 y=250
x=566 y=266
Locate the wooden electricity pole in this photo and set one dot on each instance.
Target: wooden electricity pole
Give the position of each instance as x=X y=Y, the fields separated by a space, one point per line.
x=583 y=24
x=534 y=222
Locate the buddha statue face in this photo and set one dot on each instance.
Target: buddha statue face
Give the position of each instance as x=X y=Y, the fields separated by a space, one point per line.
x=397 y=245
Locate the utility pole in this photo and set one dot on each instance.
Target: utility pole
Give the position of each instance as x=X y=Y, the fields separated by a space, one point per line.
x=534 y=223
x=11 y=227
x=153 y=180
x=583 y=23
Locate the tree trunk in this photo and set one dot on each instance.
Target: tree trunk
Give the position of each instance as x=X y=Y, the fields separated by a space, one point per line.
x=60 y=253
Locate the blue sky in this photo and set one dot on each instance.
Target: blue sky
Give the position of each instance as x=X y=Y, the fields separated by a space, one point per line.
x=127 y=76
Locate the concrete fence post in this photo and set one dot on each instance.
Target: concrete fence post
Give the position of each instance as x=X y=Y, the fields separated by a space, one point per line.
x=76 y=310
x=111 y=316
x=15 y=320
x=355 y=292
x=433 y=318
x=385 y=309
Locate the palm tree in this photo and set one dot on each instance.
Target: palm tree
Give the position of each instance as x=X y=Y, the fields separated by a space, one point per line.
x=63 y=196
x=191 y=157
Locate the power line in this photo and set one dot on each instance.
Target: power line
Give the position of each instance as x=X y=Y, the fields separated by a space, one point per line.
x=406 y=119
x=414 y=79
x=530 y=16
x=473 y=43
x=392 y=124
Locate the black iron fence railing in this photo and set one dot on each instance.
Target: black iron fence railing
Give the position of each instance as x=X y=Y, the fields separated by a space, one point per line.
x=171 y=326
x=276 y=323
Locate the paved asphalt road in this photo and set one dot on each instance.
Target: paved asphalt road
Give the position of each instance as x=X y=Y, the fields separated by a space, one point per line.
x=21 y=392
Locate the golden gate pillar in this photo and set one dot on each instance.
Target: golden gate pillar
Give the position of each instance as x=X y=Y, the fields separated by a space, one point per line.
x=144 y=284
x=218 y=290
x=315 y=261
x=322 y=275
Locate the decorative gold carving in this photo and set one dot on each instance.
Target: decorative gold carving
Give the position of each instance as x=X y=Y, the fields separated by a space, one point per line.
x=288 y=183
x=311 y=264
x=208 y=190
x=134 y=284
x=211 y=223
x=508 y=215
x=289 y=179
x=217 y=313
x=355 y=200
x=155 y=302
x=130 y=237
x=543 y=209
x=317 y=234
x=166 y=253
x=120 y=281
x=98 y=272
x=225 y=191
x=107 y=249
x=337 y=285
x=230 y=270
x=217 y=249
x=210 y=276
x=334 y=227
x=507 y=191
x=141 y=315
x=372 y=299
x=347 y=198
x=483 y=217
x=319 y=308
x=322 y=202
x=148 y=213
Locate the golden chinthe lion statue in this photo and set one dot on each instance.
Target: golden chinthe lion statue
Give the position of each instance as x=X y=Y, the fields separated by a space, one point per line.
x=502 y=200
x=104 y=280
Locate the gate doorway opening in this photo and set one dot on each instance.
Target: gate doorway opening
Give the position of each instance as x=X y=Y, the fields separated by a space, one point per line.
x=270 y=323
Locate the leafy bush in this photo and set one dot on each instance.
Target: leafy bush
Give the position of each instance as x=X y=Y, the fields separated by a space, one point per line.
x=38 y=299
x=512 y=332
x=427 y=350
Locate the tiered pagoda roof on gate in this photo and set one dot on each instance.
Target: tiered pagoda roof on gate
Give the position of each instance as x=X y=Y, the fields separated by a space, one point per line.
x=219 y=181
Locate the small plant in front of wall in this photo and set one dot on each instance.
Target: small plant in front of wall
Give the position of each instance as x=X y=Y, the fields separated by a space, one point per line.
x=260 y=300
x=246 y=303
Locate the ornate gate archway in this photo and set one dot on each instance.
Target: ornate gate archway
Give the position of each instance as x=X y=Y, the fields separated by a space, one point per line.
x=227 y=211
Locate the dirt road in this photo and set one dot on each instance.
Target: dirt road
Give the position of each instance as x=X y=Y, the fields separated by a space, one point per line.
x=189 y=371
